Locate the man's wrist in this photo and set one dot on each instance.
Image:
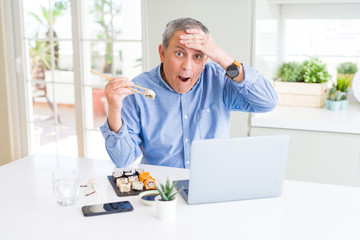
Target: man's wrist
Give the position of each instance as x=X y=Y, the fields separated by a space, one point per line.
x=233 y=70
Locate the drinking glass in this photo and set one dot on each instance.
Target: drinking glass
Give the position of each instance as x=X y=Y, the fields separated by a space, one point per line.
x=66 y=185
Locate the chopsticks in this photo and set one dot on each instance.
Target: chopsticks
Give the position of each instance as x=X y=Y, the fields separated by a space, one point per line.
x=148 y=92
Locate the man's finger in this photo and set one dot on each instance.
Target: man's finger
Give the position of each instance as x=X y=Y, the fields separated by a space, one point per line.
x=192 y=41
x=191 y=36
x=120 y=83
x=122 y=91
x=195 y=30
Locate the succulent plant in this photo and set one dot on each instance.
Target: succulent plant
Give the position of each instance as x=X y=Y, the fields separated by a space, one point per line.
x=339 y=90
x=167 y=192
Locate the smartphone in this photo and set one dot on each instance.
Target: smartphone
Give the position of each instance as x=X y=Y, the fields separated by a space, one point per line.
x=107 y=208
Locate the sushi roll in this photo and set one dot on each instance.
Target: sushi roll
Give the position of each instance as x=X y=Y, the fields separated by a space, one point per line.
x=149 y=183
x=117 y=173
x=128 y=170
x=137 y=185
x=121 y=180
x=139 y=170
x=128 y=174
x=133 y=178
x=125 y=187
x=143 y=175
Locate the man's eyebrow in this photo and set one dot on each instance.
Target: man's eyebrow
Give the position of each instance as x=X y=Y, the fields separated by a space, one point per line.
x=197 y=51
x=180 y=48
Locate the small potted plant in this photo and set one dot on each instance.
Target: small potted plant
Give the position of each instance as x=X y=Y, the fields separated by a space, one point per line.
x=347 y=69
x=290 y=72
x=337 y=100
x=302 y=85
x=315 y=71
x=166 y=201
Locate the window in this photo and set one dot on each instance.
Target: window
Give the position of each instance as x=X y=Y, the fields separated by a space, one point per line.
x=332 y=40
x=110 y=39
x=295 y=32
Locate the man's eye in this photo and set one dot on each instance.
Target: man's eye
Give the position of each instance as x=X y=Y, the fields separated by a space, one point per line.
x=179 y=54
x=197 y=56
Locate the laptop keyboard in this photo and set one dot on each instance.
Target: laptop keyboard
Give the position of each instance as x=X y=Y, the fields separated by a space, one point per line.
x=186 y=191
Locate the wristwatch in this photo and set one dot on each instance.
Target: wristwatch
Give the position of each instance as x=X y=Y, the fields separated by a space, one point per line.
x=232 y=71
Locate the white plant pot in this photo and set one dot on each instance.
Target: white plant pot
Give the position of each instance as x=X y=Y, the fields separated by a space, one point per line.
x=166 y=210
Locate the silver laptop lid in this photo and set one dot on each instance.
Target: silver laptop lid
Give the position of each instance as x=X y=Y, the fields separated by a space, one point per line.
x=237 y=168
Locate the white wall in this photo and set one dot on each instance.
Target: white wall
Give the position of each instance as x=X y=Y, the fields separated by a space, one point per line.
x=229 y=22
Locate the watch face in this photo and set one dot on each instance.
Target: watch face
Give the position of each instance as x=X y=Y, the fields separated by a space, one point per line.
x=232 y=71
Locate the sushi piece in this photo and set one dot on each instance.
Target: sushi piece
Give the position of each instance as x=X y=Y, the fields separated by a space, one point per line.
x=143 y=175
x=133 y=178
x=128 y=170
x=149 y=183
x=121 y=180
x=137 y=185
x=128 y=174
x=125 y=187
x=117 y=173
x=139 y=170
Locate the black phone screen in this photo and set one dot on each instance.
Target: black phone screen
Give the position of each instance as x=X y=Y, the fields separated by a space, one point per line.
x=107 y=208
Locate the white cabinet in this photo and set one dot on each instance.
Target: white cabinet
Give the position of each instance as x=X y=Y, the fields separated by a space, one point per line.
x=322 y=157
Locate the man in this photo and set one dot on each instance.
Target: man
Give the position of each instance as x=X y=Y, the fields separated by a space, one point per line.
x=193 y=99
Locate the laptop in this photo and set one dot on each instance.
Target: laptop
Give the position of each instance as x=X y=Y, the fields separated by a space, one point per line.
x=235 y=169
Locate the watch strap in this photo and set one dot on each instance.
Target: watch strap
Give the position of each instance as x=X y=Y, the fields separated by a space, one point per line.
x=237 y=63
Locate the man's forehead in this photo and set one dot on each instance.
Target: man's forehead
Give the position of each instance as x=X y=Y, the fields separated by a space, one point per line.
x=182 y=47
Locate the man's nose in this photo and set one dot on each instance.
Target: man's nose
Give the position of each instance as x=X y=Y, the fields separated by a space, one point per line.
x=187 y=64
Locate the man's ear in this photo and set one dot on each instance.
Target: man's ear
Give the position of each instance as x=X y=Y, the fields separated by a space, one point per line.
x=161 y=52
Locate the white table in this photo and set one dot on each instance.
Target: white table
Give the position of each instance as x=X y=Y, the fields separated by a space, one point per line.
x=304 y=211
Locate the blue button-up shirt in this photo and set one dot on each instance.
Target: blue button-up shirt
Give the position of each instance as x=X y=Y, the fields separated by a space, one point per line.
x=163 y=129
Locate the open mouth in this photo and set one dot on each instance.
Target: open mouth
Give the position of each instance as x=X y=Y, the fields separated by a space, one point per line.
x=184 y=79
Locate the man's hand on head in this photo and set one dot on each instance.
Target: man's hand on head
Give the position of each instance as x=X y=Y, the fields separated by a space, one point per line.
x=197 y=39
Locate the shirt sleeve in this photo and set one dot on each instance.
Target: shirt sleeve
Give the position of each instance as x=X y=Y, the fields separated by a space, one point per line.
x=253 y=94
x=123 y=147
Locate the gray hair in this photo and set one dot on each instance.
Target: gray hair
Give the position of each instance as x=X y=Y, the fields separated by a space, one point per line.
x=180 y=24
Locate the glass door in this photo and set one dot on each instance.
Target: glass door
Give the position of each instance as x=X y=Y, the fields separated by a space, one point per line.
x=66 y=103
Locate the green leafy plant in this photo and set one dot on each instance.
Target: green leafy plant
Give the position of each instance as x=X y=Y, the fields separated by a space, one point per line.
x=339 y=90
x=39 y=56
x=48 y=20
x=314 y=71
x=347 y=68
x=167 y=192
x=290 y=72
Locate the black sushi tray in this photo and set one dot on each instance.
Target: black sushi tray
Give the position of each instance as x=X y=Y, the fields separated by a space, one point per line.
x=125 y=194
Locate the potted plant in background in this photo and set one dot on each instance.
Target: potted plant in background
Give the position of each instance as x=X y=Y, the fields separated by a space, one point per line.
x=347 y=70
x=337 y=100
x=303 y=85
x=166 y=201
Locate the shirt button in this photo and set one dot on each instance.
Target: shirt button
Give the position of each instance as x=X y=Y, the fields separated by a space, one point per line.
x=186 y=139
x=187 y=162
x=185 y=116
x=208 y=110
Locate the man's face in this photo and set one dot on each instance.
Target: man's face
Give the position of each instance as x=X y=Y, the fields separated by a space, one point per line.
x=182 y=66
